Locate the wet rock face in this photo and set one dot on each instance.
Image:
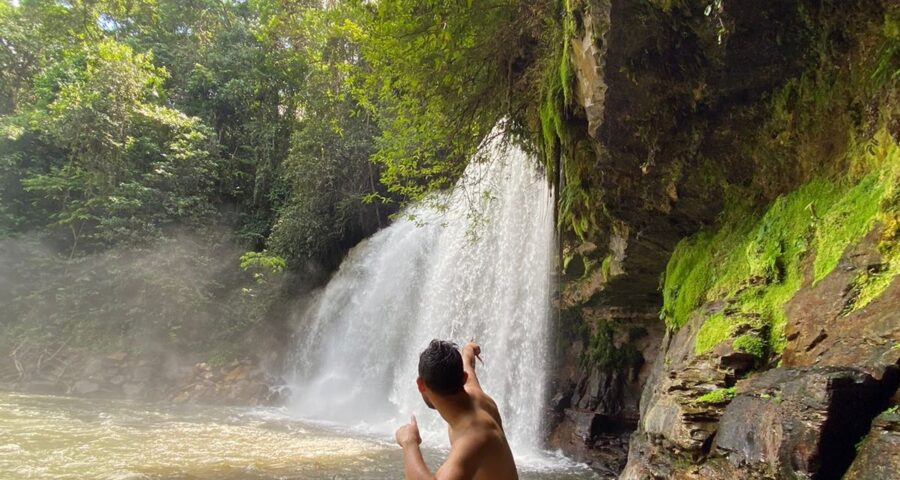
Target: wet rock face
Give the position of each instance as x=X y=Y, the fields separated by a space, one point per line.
x=803 y=419
x=595 y=407
x=664 y=90
x=820 y=324
x=879 y=454
x=655 y=92
x=673 y=411
x=798 y=423
x=786 y=422
x=588 y=52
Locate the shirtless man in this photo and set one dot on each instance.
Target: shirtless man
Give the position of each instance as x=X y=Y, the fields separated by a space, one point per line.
x=478 y=447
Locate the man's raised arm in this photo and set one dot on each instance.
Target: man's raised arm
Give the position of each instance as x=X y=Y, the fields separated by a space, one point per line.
x=469 y=353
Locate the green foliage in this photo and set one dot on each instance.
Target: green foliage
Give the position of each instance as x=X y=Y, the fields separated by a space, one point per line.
x=605 y=266
x=264 y=268
x=262 y=261
x=563 y=147
x=718 y=396
x=439 y=76
x=334 y=195
x=124 y=123
x=99 y=158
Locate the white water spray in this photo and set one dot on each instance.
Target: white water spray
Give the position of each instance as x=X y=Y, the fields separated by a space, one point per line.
x=480 y=270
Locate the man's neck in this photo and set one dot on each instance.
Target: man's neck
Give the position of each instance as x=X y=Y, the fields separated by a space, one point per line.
x=454 y=408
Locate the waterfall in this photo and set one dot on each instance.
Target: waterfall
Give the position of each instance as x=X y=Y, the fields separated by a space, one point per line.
x=477 y=266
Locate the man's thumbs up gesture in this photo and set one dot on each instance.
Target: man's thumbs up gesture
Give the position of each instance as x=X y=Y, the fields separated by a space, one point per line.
x=409 y=433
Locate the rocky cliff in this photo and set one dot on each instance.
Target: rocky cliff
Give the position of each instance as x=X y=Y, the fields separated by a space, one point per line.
x=728 y=175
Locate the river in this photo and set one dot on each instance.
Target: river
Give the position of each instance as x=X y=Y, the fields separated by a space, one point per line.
x=44 y=437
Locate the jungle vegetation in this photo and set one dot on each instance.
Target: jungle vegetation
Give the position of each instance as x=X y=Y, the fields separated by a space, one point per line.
x=220 y=153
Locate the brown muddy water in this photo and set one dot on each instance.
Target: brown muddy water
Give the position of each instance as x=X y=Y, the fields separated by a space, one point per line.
x=45 y=437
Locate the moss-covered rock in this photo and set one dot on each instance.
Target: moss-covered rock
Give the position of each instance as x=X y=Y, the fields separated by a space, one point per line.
x=737 y=163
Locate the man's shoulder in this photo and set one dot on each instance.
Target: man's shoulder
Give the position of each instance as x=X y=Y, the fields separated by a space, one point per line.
x=480 y=397
x=480 y=435
x=484 y=403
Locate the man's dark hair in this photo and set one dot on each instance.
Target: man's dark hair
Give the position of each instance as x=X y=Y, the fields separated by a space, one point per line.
x=441 y=367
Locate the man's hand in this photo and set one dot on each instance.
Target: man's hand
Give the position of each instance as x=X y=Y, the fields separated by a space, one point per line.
x=408 y=434
x=474 y=350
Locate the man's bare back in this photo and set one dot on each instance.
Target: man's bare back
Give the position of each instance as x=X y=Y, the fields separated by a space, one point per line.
x=478 y=446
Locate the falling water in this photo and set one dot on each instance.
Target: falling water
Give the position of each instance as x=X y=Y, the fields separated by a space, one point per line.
x=477 y=268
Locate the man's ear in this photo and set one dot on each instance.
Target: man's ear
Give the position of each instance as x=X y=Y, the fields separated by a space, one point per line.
x=421 y=384
x=465 y=377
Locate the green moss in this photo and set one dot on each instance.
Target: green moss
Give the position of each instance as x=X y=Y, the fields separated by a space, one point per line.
x=687 y=278
x=603 y=352
x=888 y=57
x=872 y=282
x=605 y=266
x=756 y=261
x=827 y=182
x=566 y=74
x=552 y=130
x=571 y=328
x=720 y=395
x=751 y=344
x=750 y=260
x=847 y=221
x=715 y=329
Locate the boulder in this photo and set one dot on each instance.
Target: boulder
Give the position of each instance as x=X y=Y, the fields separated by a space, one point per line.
x=670 y=408
x=797 y=423
x=820 y=321
x=586 y=424
x=879 y=454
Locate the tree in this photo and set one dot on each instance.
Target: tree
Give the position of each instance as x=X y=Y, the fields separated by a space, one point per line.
x=439 y=75
x=334 y=195
x=122 y=165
